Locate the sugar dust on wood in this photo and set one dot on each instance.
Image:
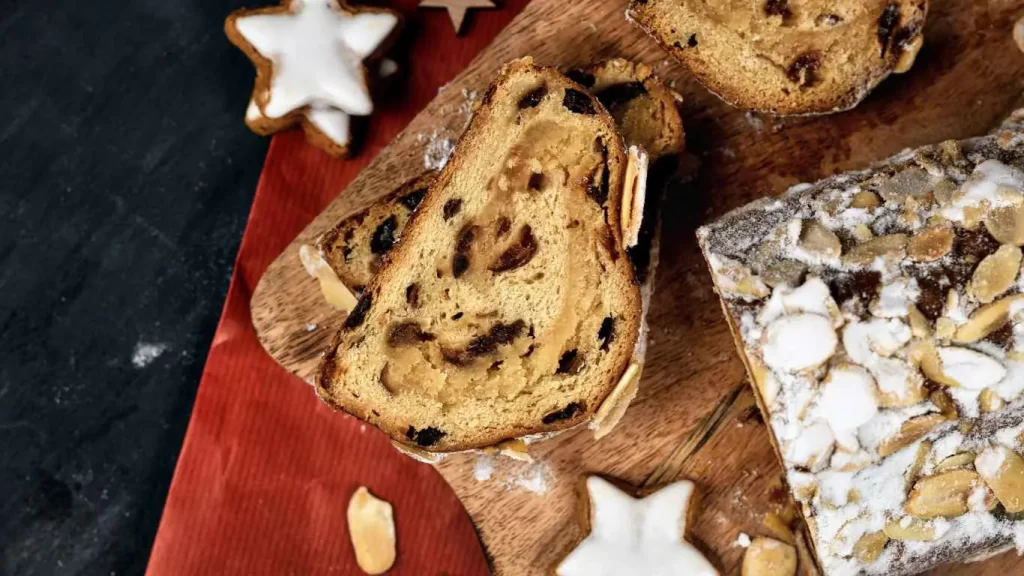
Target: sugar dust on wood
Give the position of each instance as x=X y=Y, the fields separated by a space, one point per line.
x=146 y=353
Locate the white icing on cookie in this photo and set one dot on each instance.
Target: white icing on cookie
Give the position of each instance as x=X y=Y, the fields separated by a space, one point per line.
x=317 y=51
x=636 y=536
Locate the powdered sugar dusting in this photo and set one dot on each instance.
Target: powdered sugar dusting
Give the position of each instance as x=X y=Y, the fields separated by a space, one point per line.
x=146 y=353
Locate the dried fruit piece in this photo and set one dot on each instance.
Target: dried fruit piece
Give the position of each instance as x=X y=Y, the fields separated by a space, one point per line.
x=371 y=525
x=911 y=431
x=961 y=460
x=768 y=557
x=890 y=246
x=1006 y=224
x=931 y=243
x=987 y=319
x=865 y=199
x=969 y=368
x=1003 y=471
x=942 y=495
x=869 y=547
x=990 y=402
x=819 y=240
x=797 y=343
x=910 y=528
x=996 y=273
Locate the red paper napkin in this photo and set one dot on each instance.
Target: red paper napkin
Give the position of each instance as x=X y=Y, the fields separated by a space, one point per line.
x=266 y=471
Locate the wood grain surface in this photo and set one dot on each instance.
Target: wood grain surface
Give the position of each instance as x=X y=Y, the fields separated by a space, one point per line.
x=694 y=416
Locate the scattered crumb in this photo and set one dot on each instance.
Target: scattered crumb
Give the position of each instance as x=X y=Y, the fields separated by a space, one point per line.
x=743 y=541
x=436 y=151
x=533 y=479
x=311 y=327
x=483 y=469
x=145 y=353
x=728 y=152
x=755 y=122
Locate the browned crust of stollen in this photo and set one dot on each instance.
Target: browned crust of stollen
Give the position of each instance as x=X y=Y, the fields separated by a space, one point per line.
x=265 y=71
x=330 y=243
x=672 y=129
x=328 y=371
x=757 y=98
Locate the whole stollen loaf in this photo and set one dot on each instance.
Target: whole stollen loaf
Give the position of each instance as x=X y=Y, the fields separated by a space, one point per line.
x=509 y=306
x=879 y=315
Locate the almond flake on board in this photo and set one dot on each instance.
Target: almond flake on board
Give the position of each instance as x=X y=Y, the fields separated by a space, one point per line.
x=371 y=526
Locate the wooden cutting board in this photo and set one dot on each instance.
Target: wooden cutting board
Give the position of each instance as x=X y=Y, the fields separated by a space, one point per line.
x=694 y=416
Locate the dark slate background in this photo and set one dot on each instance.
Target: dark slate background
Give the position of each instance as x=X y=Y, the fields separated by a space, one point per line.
x=126 y=175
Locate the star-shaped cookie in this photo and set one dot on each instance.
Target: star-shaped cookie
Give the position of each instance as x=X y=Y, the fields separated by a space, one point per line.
x=636 y=536
x=309 y=65
x=457 y=9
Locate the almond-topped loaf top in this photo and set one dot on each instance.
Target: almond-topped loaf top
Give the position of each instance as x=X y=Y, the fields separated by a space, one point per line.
x=880 y=314
x=787 y=56
x=508 y=307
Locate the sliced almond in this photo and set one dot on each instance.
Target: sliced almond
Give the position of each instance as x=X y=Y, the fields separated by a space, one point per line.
x=768 y=557
x=869 y=547
x=987 y=319
x=898 y=383
x=908 y=54
x=923 y=449
x=942 y=495
x=634 y=194
x=819 y=240
x=944 y=190
x=861 y=233
x=990 y=402
x=911 y=431
x=331 y=287
x=890 y=246
x=973 y=216
x=920 y=327
x=784 y=272
x=910 y=182
x=1003 y=471
x=1006 y=224
x=865 y=199
x=779 y=527
x=924 y=354
x=961 y=460
x=944 y=402
x=371 y=526
x=931 y=243
x=945 y=329
x=970 y=368
x=996 y=273
x=911 y=529
x=799 y=342
x=737 y=280
x=614 y=406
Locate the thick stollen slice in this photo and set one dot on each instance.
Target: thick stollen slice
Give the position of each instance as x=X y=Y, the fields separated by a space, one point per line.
x=787 y=56
x=509 y=306
x=357 y=245
x=645 y=111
